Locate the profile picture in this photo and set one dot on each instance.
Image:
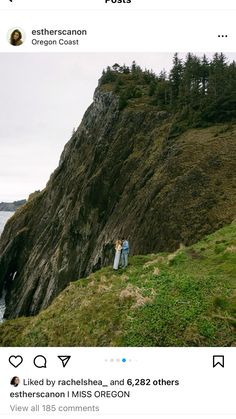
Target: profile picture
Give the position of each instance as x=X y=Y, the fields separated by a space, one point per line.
x=16 y=37
x=15 y=381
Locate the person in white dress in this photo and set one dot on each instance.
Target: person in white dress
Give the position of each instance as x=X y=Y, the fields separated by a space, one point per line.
x=118 y=248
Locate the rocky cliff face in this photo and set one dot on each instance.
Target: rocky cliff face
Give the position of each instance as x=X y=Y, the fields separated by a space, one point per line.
x=120 y=174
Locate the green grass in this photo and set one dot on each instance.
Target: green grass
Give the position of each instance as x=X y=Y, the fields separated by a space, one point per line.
x=187 y=298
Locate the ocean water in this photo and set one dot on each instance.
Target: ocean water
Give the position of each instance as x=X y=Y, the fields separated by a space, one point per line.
x=4 y=216
x=2 y=307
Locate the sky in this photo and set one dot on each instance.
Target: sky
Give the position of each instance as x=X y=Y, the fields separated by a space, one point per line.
x=43 y=97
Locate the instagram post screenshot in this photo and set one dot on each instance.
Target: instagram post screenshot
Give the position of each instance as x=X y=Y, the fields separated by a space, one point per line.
x=117 y=209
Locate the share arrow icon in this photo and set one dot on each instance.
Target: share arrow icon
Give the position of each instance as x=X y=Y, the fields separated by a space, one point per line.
x=64 y=359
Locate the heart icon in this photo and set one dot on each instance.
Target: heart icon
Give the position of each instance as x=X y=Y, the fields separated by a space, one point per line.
x=15 y=361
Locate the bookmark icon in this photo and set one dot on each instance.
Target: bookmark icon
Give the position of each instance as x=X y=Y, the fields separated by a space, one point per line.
x=218 y=360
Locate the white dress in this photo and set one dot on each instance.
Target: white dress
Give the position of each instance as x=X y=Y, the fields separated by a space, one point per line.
x=117 y=258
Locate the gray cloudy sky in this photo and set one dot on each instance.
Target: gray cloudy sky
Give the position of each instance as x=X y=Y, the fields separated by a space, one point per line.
x=42 y=98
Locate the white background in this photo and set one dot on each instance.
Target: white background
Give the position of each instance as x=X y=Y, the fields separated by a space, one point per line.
x=127 y=31
x=135 y=4
x=119 y=28
x=203 y=390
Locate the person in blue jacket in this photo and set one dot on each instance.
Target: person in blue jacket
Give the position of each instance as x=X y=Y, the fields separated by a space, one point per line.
x=124 y=253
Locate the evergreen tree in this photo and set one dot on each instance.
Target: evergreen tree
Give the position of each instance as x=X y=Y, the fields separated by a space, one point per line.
x=175 y=78
x=204 y=74
x=197 y=91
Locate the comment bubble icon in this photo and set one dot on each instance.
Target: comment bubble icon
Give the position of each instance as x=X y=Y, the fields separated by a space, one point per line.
x=40 y=361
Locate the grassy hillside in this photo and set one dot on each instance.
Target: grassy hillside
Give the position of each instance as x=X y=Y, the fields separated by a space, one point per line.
x=187 y=298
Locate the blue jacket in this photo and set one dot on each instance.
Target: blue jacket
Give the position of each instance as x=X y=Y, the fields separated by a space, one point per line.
x=125 y=246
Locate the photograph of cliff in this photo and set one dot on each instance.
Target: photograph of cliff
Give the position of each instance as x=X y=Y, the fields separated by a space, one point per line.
x=153 y=161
